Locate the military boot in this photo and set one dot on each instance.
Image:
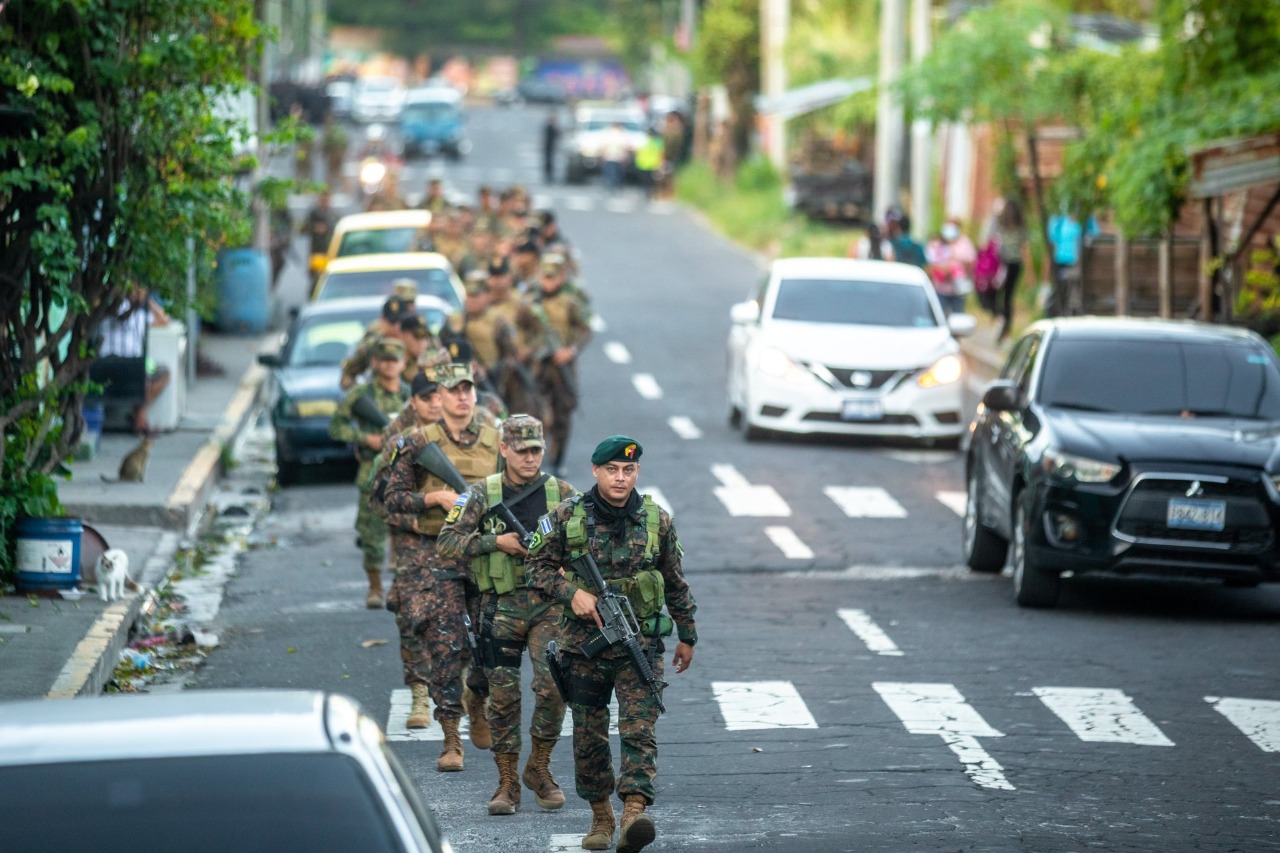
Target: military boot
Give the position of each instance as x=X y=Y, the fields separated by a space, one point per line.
x=600 y=836
x=420 y=713
x=637 y=827
x=507 y=798
x=373 y=599
x=537 y=775
x=473 y=703
x=450 y=760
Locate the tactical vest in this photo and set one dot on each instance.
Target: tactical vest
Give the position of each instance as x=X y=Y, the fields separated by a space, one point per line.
x=557 y=312
x=500 y=572
x=646 y=589
x=481 y=333
x=473 y=463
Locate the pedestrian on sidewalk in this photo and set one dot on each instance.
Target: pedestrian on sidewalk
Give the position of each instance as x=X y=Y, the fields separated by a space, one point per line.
x=125 y=336
x=1010 y=234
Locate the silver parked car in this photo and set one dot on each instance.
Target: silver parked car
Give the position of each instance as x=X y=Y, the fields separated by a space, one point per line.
x=205 y=771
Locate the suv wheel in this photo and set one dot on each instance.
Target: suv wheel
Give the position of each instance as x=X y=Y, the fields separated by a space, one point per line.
x=984 y=551
x=1034 y=585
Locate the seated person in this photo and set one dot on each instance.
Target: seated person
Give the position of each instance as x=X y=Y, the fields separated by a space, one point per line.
x=125 y=336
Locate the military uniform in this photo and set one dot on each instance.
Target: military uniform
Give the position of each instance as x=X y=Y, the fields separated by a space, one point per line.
x=433 y=593
x=358 y=361
x=346 y=425
x=567 y=322
x=513 y=617
x=639 y=555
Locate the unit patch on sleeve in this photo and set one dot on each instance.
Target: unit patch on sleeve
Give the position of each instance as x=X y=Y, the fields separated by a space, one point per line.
x=456 y=510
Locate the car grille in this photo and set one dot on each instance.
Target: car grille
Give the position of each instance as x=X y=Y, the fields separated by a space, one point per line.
x=887 y=420
x=887 y=379
x=1248 y=525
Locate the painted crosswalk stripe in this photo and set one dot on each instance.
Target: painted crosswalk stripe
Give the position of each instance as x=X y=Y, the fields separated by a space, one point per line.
x=617 y=352
x=646 y=386
x=401 y=704
x=564 y=843
x=1259 y=719
x=940 y=709
x=658 y=497
x=893 y=573
x=865 y=502
x=741 y=498
x=684 y=427
x=620 y=205
x=1101 y=715
x=954 y=501
x=869 y=632
x=789 y=543
x=579 y=202
x=753 y=705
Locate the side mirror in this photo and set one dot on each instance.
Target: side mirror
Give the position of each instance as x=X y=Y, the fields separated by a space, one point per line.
x=270 y=359
x=744 y=313
x=962 y=325
x=1002 y=395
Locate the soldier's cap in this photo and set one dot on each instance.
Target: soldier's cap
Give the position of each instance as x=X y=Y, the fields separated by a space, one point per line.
x=552 y=262
x=453 y=374
x=477 y=282
x=522 y=431
x=388 y=349
x=405 y=288
x=547 y=217
x=396 y=307
x=424 y=384
x=617 y=448
x=499 y=266
x=529 y=247
x=416 y=325
x=461 y=351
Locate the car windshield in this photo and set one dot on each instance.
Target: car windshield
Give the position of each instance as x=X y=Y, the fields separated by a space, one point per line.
x=432 y=282
x=203 y=803
x=430 y=113
x=853 y=302
x=379 y=241
x=1150 y=377
x=602 y=123
x=324 y=341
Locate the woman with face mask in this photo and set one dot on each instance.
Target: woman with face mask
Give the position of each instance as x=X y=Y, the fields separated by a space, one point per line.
x=951 y=255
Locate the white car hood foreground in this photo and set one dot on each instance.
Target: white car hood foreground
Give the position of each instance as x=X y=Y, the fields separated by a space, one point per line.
x=866 y=347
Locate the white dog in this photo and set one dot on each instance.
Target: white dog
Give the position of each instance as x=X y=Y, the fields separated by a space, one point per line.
x=113 y=573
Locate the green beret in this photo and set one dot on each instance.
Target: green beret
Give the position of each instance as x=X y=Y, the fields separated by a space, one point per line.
x=617 y=447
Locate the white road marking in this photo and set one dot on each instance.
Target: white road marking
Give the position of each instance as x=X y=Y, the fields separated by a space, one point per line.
x=646 y=386
x=620 y=205
x=893 y=573
x=869 y=632
x=597 y=324
x=865 y=502
x=789 y=543
x=541 y=201
x=684 y=427
x=617 y=352
x=662 y=208
x=1101 y=715
x=401 y=704
x=564 y=843
x=741 y=498
x=751 y=705
x=1259 y=719
x=579 y=202
x=922 y=457
x=954 y=501
x=659 y=498
x=566 y=728
x=939 y=709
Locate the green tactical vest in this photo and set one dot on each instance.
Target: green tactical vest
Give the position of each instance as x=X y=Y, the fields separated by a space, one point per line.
x=646 y=589
x=499 y=572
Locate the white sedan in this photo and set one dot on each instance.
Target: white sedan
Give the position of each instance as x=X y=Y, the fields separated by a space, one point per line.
x=849 y=347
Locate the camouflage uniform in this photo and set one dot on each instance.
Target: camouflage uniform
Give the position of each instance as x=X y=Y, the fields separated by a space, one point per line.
x=431 y=592
x=621 y=554
x=347 y=426
x=566 y=320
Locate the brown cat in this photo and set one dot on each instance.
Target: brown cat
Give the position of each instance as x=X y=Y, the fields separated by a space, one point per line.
x=133 y=468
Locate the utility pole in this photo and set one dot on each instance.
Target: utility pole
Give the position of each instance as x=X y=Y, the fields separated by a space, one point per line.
x=921 y=129
x=775 y=20
x=889 y=136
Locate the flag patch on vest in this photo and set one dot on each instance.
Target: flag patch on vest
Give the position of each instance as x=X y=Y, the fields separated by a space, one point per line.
x=456 y=509
x=544 y=526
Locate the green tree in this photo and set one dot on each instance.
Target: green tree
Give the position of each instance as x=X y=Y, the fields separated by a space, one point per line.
x=728 y=52
x=112 y=156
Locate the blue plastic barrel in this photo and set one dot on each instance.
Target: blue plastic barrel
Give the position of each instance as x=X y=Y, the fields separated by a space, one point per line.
x=244 y=291
x=94 y=415
x=48 y=553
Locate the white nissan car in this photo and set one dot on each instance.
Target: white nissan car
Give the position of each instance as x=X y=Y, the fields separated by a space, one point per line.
x=830 y=345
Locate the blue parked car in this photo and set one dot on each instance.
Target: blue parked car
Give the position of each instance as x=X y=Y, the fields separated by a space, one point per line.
x=433 y=123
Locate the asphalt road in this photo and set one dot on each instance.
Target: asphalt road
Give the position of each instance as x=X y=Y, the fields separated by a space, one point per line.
x=854 y=688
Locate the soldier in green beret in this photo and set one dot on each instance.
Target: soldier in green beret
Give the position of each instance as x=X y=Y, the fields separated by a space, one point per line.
x=638 y=553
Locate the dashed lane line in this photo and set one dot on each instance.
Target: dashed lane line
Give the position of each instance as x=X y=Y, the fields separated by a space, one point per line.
x=789 y=543
x=954 y=501
x=617 y=352
x=869 y=632
x=755 y=705
x=646 y=386
x=684 y=427
x=865 y=502
x=741 y=498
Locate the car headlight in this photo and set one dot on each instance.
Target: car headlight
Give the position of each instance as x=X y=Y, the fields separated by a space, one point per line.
x=1081 y=469
x=776 y=363
x=945 y=371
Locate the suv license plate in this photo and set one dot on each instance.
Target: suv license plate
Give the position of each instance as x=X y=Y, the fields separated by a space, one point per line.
x=1185 y=514
x=862 y=410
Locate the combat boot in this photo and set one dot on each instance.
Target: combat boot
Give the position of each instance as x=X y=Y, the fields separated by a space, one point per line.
x=537 y=775
x=450 y=760
x=507 y=798
x=420 y=713
x=473 y=703
x=373 y=599
x=600 y=836
x=637 y=827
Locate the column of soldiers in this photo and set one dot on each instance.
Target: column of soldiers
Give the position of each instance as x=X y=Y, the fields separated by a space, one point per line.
x=485 y=543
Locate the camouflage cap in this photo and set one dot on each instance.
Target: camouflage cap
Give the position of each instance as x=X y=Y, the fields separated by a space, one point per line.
x=616 y=448
x=499 y=266
x=522 y=431
x=388 y=349
x=416 y=325
x=453 y=374
x=477 y=282
x=552 y=262
x=405 y=288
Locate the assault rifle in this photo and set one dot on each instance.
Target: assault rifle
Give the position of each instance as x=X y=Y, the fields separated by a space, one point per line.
x=432 y=459
x=366 y=410
x=477 y=659
x=620 y=625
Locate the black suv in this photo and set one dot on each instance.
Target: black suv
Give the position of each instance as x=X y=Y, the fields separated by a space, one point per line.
x=1131 y=447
